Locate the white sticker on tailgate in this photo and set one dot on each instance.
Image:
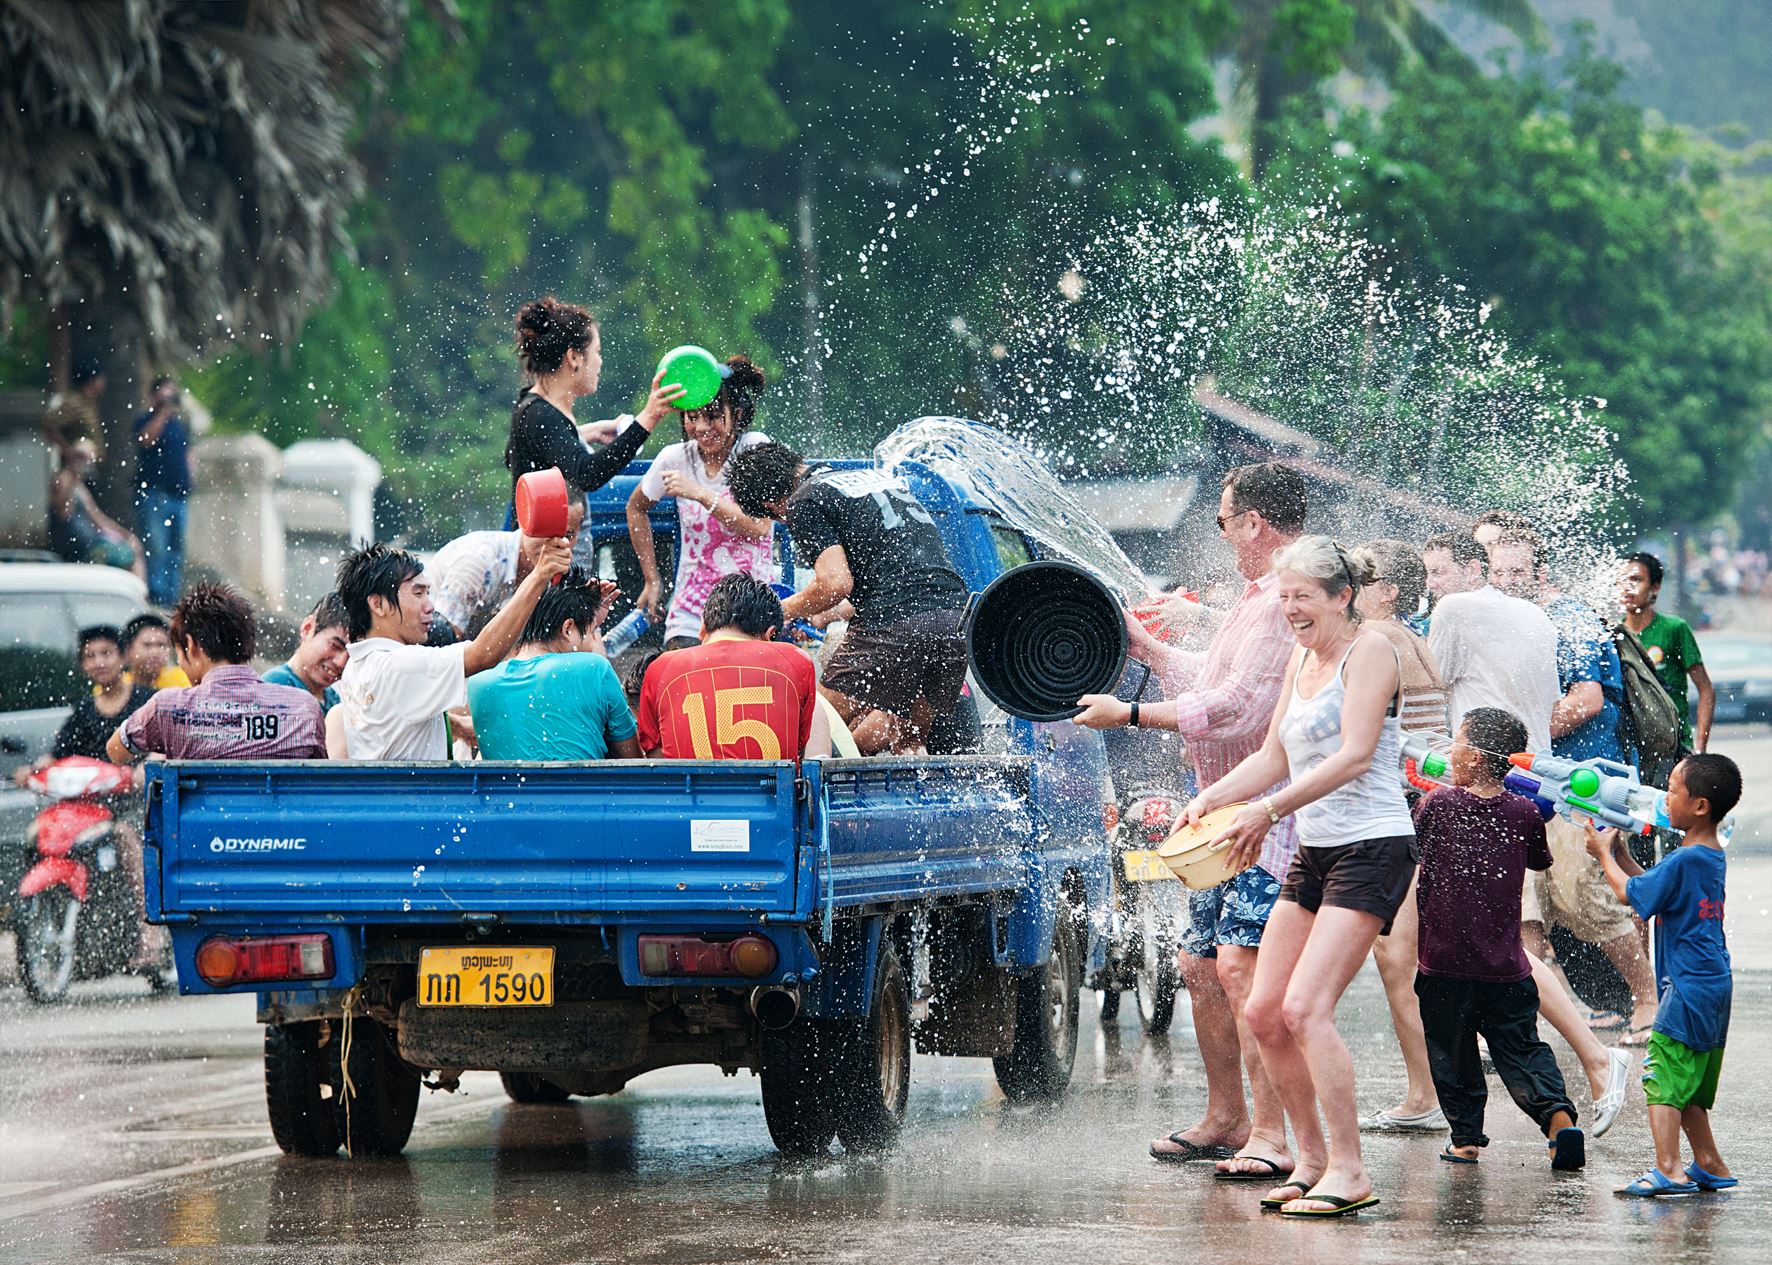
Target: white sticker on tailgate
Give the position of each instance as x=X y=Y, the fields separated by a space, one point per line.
x=708 y=835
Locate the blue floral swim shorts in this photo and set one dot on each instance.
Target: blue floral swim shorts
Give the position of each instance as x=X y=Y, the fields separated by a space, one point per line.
x=1232 y=913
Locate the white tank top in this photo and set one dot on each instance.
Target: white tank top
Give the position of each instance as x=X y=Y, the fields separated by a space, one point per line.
x=1369 y=807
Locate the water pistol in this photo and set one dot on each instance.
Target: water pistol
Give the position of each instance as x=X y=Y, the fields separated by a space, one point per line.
x=1423 y=767
x=1603 y=792
x=813 y=635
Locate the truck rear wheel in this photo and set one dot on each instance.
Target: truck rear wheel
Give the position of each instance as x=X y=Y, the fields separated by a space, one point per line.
x=1038 y=1066
x=799 y=1088
x=527 y=1087
x=874 y=1067
x=297 y=1089
x=377 y=1118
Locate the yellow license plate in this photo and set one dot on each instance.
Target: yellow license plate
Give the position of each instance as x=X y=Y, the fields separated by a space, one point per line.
x=1146 y=867
x=492 y=976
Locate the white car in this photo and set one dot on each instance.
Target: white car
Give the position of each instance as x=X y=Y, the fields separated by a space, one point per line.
x=43 y=605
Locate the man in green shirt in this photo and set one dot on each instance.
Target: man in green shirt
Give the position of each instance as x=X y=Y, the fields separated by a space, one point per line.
x=556 y=697
x=1670 y=643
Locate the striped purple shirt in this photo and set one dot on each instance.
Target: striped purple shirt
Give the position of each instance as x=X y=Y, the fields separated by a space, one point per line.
x=230 y=715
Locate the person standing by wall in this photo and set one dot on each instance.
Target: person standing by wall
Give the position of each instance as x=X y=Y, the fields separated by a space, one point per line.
x=162 y=489
x=1221 y=702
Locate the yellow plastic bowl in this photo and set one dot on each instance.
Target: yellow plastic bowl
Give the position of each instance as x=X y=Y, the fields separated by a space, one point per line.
x=1198 y=862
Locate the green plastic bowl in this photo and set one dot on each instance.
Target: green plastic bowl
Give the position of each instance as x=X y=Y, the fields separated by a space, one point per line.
x=696 y=370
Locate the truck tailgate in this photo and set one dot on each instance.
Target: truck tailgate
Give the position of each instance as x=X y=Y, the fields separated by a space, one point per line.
x=390 y=842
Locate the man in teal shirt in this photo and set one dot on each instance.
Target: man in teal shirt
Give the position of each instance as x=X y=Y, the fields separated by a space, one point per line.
x=320 y=657
x=556 y=697
x=1671 y=646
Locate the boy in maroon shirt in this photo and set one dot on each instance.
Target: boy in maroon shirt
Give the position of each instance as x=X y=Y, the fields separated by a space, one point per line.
x=1477 y=841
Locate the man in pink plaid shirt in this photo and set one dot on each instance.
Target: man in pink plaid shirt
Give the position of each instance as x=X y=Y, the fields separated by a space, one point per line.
x=1222 y=702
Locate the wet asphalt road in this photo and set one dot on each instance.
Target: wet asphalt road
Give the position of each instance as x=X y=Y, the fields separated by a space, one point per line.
x=132 y=1128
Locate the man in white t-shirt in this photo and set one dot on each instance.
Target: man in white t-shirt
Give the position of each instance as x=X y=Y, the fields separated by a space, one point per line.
x=475 y=574
x=396 y=691
x=1493 y=650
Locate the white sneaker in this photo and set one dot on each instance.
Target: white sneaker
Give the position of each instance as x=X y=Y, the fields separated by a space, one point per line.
x=1430 y=1121
x=1608 y=1104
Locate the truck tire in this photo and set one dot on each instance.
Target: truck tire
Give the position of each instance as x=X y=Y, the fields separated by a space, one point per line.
x=378 y=1118
x=874 y=1065
x=527 y=1087
x=1038 y=1066
x=296 y=1071
x=799 y=1087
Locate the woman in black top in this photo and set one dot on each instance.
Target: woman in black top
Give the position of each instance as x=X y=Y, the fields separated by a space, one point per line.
x=98 y=711
x=561 y=350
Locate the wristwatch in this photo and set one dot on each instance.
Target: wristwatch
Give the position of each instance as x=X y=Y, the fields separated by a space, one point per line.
x=1132 y=720
x=1267 y=802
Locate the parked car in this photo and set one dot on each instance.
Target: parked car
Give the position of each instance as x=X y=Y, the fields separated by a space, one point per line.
x=44 y=602
x=1741 y=669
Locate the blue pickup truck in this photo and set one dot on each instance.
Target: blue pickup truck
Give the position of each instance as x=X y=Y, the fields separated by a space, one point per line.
x=574 y=926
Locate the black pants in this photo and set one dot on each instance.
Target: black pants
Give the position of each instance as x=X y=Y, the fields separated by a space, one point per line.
x=1454 y=1012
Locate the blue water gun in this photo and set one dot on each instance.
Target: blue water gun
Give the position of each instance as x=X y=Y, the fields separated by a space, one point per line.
x=806 y=630
x=1603 y=792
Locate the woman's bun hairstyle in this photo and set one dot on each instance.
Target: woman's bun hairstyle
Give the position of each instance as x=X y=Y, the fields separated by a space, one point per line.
x=547 y=329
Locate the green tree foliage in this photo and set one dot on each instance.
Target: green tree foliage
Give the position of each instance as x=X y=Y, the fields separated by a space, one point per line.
x=1597 y=237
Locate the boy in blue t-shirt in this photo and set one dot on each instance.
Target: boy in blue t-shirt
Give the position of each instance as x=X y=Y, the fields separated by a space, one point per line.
x=556 y=697
x=1684 y=894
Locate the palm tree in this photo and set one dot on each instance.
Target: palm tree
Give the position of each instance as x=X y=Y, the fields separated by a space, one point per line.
x=178 y=172
x=1384 y=38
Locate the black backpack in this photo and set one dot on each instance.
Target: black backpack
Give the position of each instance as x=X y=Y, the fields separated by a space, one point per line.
x=1649 y=721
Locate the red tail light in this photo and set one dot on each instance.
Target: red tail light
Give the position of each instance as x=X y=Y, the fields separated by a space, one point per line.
x=222 y=961
x=750 y=956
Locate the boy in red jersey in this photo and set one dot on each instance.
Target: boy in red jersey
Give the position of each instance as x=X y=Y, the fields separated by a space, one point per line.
x=740 y=694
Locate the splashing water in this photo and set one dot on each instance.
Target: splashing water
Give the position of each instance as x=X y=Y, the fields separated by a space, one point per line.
x=1003 y=476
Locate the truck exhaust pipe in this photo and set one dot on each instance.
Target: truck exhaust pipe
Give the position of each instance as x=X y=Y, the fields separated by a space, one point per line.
x=775 y=1006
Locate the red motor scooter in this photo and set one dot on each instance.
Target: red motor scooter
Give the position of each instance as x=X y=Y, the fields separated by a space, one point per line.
x=77 y=910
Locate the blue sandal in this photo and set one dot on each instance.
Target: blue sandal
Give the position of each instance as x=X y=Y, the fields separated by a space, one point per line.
x=1654 y=1184
x=1710 y=1181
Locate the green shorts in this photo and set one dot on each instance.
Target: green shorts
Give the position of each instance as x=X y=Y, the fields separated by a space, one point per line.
x=1675 y=1075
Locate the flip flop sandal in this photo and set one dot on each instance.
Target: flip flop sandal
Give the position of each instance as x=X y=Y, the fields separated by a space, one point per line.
x=1568 y=1150
x=1190 y=1151
x=1273 y=1170
x=1606 y=1020
x=1653 y=1185
x=1453 y=1157
x=1710 y=1181
x=1270 y=1204
x=1338 y=1207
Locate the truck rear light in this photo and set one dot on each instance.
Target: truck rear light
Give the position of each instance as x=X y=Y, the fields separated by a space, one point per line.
x=222 y=960
x=751 y=956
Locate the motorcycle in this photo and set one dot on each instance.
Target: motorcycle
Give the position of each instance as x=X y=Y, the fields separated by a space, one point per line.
x=1146 y=914
x=77 y=910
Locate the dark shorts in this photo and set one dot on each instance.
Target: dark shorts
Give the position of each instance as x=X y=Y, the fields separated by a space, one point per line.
x=1371 y=876
x=892 y=666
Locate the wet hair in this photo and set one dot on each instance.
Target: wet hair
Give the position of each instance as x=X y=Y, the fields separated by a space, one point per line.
x=762 y=475
x=1323 y=560
x=1651 y=567
x=98 y=632
x=330 y=612
x=85 y=372
x=1507 y=520
x=1396 y=562
x=1461 y=545
x=1274 y=490
x=1495 y=734
x=165 y=379
x=740 y=390
x=547 y=329
x=219 y=620
x=575 y=597
x=372 y=571
x=740 y=602
x=637 y=676
x=1520 y=537
x=1712 y=777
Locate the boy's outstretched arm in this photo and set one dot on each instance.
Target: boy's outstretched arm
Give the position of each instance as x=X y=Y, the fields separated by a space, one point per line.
x=1607 y=847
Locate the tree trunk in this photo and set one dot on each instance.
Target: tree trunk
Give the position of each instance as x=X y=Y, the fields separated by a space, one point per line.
x=812 y=370
x=111 y=339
